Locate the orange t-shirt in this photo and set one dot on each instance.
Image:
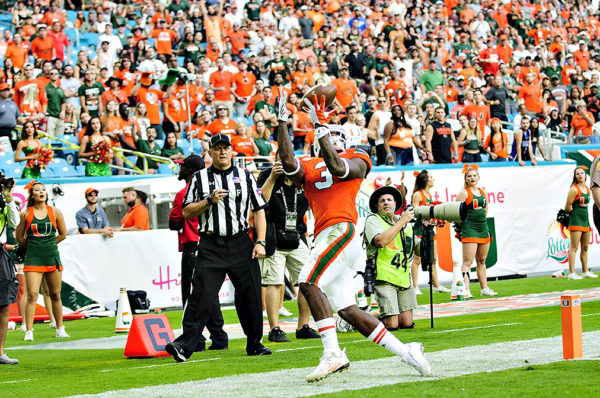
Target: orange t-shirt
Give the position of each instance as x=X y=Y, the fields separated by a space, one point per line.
x=252 y=103
x=175 y=110
x=128 y=78
x=222 y=79
x=158 y=16
x=480 y=112
x=299 y=78
x=395 y=89
x=152 y=98
x=331 y=199
x=499 y=145
x=17 y=54
x=120 y=97
x=112 y=124
x=580 y=125
x=244 y=82
x=137 y=216
x=528 y=69
x=21 y=88
x=218 y=127
x=346 y=90
x=532 y=95
x=42 y=48
x=164 y=39
x=243 y=145
x=304 y=123
x=237 y=40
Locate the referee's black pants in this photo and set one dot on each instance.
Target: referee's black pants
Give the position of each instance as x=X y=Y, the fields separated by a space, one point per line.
x=218 y=257
x=215 y=321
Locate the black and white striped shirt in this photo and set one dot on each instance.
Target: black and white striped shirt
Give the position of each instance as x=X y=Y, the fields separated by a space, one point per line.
x=230 y=215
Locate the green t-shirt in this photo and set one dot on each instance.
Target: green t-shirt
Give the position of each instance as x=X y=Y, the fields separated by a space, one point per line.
x=183 y=5
x=264 y=146
x=190 y=51
x=432 y=79
x=144 y=147
x=168 y=152
x=56 y=98
x=253 y=10
x=91 y=96
x=464 y=48
x=283 y=66
x=262 y=105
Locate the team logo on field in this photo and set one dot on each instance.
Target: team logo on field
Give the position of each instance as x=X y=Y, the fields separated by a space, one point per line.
x=558 y=242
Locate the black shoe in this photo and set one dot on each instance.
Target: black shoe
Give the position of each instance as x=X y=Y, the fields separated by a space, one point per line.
x=278 y=336
x=200 y=347
x=176 y=351
x=258 y=350
x=215 y=346
x=307 y=333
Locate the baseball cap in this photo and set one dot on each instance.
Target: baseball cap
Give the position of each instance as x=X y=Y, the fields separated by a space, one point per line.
x=569 y=55
x=90 y=190
x=4 y=86
x=215 y=139
x=304 y=8
x=251 y=54
x=461 y=77
x=42 y=26
x=503 y=37
x=554 y=77
x=323 y=64
x=192 y=162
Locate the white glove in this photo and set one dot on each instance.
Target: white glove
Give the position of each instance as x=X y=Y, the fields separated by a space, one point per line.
x=312 y=111
x=321 y=132
x=282 y=112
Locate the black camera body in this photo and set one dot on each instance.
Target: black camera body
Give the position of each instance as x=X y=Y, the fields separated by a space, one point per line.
x=369 y=277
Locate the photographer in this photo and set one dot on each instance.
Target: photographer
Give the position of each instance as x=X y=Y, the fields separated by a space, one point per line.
x=390 y=242
x=9 y=216
x=286 y=247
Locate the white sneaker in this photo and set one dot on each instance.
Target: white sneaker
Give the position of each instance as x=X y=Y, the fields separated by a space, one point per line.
x=418 y=291
x=265 y=314
x=24 y=328
x=468 y=294
x=488 y=292
x=28 y=335
x=330 y=363
x=284 y=312
x=589 y=275
x=4 y=360
x=574 y=276
x=416 y=359
x=11 y=325
x=441 y=289
x=61 y=334
x=53 y=325
x=342 y=326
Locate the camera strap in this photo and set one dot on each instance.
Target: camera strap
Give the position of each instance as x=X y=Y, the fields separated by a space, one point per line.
x=291 y=217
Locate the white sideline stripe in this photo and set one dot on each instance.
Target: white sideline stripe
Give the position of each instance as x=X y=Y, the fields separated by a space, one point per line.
x=318 y=346
x=16 y=381
x=596 y=313
x=476 y=327
x=163 y=364
x=391 y=370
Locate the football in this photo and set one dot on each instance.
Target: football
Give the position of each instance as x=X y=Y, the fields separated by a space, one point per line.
x=329 y=91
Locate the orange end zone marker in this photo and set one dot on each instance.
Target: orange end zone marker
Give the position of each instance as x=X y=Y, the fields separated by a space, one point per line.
x=571 y=326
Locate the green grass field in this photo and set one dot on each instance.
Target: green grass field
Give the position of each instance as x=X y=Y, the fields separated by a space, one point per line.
x=54 y=373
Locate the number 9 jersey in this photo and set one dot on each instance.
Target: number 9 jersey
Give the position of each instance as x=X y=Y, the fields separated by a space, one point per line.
x=332 y=199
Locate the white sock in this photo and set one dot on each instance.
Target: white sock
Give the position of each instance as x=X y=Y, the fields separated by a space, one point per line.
x=328 y=334
x=382 y=337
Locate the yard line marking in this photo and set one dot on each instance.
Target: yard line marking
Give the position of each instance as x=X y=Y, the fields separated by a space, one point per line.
x=390 y=371
x=476 y=327
x=162 y=364
x=596 y=313
x=473 y=321
x=16 y=381
x=318 y=346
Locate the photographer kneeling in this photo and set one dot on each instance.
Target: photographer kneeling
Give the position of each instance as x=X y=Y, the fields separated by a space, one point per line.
x=390 y=247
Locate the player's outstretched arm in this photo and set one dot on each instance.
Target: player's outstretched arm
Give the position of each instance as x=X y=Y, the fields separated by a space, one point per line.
x=337 y=166
x=292 y=167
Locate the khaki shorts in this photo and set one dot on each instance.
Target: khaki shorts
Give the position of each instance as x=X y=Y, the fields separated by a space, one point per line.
x=393 y=301
x=272 y=268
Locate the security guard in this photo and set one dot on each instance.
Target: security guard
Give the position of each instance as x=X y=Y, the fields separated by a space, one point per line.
x=222 y=196
x=390 y=243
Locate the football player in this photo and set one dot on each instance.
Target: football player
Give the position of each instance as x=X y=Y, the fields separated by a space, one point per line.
x=331 y=181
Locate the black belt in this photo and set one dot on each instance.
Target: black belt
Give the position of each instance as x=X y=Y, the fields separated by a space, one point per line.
x=190 y=246
x=213 y=236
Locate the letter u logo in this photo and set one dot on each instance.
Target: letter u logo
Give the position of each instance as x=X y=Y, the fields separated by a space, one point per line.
x=41 y=230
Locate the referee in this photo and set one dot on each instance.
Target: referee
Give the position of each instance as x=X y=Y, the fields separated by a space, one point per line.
x=222 y=196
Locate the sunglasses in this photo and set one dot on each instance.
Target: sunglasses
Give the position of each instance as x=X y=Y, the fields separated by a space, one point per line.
x=92 y=194
x=372 y=100
x=222 y=109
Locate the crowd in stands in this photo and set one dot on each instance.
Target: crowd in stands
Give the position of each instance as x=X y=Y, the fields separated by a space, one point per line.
x=417 y=80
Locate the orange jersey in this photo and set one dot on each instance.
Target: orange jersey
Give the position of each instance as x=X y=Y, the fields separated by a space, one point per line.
x=218 y=127
x=244 y=83
x=164 y=39
x=331 y=199
x=346 y=90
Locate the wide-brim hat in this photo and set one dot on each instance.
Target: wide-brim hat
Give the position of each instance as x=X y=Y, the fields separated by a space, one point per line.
x=114 y=78
x=386 y=190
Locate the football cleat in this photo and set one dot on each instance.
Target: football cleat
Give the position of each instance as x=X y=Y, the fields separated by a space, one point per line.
x=330 y=363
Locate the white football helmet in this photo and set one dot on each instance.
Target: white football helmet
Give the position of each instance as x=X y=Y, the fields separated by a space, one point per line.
x=337 y=136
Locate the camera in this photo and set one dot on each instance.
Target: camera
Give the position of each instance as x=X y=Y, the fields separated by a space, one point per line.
x=369 y=277
x=452 y=211
x=8 y=183
x=187 y=77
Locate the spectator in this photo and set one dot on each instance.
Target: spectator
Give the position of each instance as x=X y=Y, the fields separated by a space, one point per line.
x=42 y=47
x=536 y=135
x=471 y=139
x=479 y=110
x=440 y=143
x=347 y=92
x=149 y=146
x=89 y=94
x=137 y=217
x=151 y=97
x=221 y=83
x=581 y=125
x=398 y=139
x=242 y=88
x=42 y=260
x=530 y=94
x=56 y=105
x=10 y=116
x=379 y=120
x=70 y=85
x=357 y=64
x=30 y=95
x=431 y=78
x=496 y=143
x=91 y=219
x=60 y=42
x=267 y=109
x=522 y=149
x=170 y=149
x=497 y=96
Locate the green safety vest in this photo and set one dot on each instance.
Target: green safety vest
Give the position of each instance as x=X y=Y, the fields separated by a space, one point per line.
x=392 y=265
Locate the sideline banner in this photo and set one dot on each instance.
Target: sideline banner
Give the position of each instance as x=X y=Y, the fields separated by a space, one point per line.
x=523 y=202
x=98 y=267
